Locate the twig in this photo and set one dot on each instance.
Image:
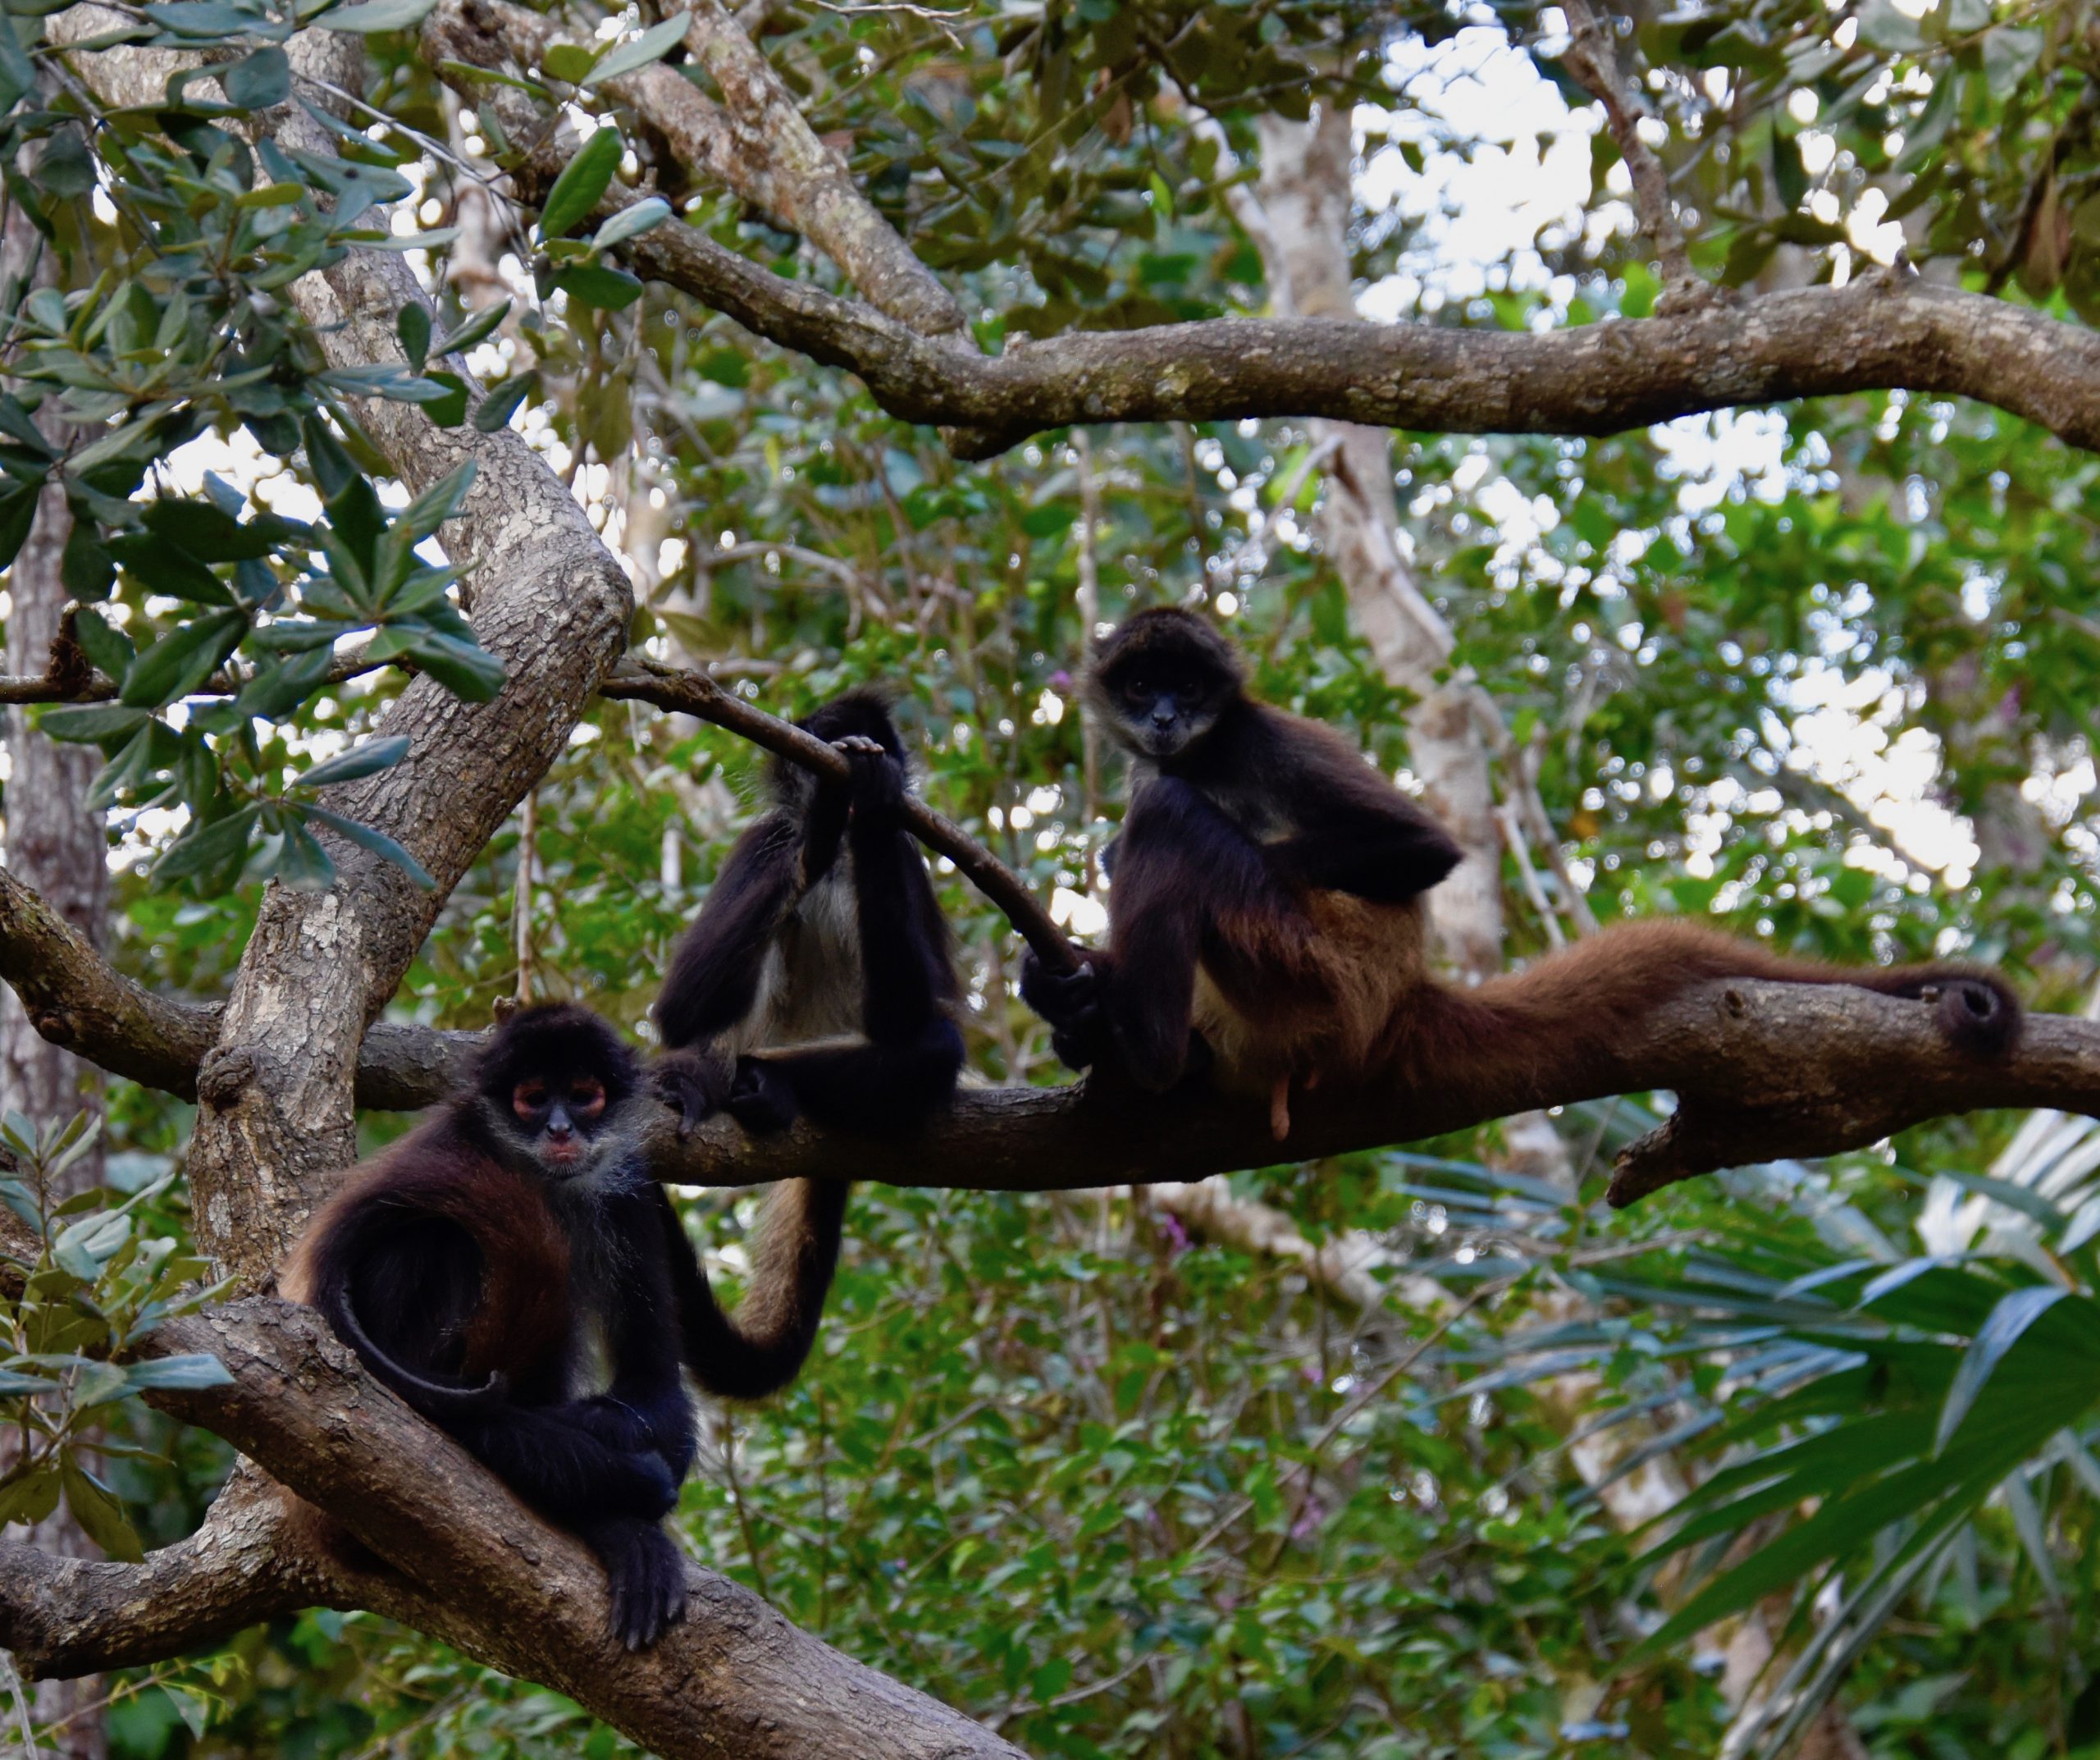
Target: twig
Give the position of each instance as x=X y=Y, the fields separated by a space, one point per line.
x=1593 y=60
x=694 y=693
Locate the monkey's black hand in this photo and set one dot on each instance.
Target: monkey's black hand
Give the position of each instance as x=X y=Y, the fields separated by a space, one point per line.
x=645 y=1575
x=696 y=1083
x=877 y=789
x=615 y=1423
x=1071 y=1002
x=761 y=1099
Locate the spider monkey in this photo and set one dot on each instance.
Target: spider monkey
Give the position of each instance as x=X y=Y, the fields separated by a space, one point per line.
x=817 y=979
x=1266 y=893
x=480 y=1266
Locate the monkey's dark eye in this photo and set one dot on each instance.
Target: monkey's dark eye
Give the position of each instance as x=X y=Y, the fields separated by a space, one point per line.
x=1137 y=687
x=587 y=1097
x=528 y=1098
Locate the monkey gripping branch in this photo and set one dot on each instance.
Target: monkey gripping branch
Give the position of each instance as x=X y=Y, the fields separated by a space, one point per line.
x=279 y=1067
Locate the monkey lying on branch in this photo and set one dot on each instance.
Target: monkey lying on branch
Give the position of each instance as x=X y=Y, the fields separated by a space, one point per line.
x=1267 y=923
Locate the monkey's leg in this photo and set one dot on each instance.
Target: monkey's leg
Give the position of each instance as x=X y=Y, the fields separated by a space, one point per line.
x=859 y=1087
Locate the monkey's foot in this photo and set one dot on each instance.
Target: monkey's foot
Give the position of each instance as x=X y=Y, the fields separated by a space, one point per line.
x=646 y=1576
x=694 y=1083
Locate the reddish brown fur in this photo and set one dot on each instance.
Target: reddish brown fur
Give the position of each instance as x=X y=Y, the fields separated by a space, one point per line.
x=523 y=1317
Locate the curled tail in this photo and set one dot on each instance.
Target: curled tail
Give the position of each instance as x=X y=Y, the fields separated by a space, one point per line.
x=761 y=1348
x=1563 y=1018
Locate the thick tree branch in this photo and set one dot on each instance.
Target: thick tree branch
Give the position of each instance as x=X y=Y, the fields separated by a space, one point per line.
x=694 y=693
x=76 y=999
x=64 y=1617
x=463 y=1560
x=1887 y=329
x=1762 y=1070
x=1883 y=330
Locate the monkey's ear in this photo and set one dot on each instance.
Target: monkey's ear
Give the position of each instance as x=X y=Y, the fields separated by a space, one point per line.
x=1427 y=858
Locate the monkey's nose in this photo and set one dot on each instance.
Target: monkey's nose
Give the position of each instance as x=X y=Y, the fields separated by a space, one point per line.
x=1162 y=719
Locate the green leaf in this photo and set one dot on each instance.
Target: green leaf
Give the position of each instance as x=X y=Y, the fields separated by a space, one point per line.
x=85 y=567
x=377 y=842
x=221 y=844
x=582 y=180
x=209 y=533
x=412 y=324
x=17 y=515
x=631 y=221
x=17 y=72
x=277 y=689
x=652 y=45
x=366 y=759
x=190 y=1374
x=568 y=61
x=302 y=865
x=182 y=659
x=378 y=15
x=1999 y=1334
x=597 y=284
x=448 y=412
x=478 y=328
x=95 y=1507
x=31 y=1498
x=502 y=401
x=264 y=80
x=90 y=724
x=438 y=503
x=463 y=668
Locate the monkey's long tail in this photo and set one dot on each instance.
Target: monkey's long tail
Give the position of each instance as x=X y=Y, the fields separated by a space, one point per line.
x=1563 y=1018
x=761 y=1348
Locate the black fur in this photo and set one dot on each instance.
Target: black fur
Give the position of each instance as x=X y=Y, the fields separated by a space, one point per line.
x=762 y=1016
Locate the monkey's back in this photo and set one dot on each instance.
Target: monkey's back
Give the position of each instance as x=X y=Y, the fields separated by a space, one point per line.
x=1312 y=996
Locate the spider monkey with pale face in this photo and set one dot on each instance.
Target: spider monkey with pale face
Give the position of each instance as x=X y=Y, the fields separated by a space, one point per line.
x=1267 y=919
x=817 y=980
x=511 y=1271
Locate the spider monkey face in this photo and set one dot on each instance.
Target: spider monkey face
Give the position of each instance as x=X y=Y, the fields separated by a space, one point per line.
x=553 y=1090
x=559 y=1116
x=1164 y=678
x=1167 y=702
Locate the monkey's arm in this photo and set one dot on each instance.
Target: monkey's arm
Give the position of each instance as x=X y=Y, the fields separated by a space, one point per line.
x=714 y=979
x=1185 y=872
x=1375 y=843
x=646 y=1406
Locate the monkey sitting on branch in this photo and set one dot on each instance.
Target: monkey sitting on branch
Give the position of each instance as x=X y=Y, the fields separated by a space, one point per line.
x=483 y=1265
x=818 y=980
x=1265 y=917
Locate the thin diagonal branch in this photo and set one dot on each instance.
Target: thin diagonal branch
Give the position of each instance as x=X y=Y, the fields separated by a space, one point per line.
x=1594 y=60
x=695 y=694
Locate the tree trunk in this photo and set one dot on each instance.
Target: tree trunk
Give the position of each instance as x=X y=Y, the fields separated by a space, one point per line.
x=57 y=846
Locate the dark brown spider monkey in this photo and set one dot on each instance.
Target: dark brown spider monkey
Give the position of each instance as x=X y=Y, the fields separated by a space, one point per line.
x=482 y=1264
x=818 y=980
x=1267 y=895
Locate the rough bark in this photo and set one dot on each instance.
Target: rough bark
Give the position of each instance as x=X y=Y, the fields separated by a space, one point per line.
x=58 y=844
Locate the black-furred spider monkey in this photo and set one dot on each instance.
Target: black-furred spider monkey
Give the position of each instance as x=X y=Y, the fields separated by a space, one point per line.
x=818 y=980
x=1267 y=895
x=511 y=1270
